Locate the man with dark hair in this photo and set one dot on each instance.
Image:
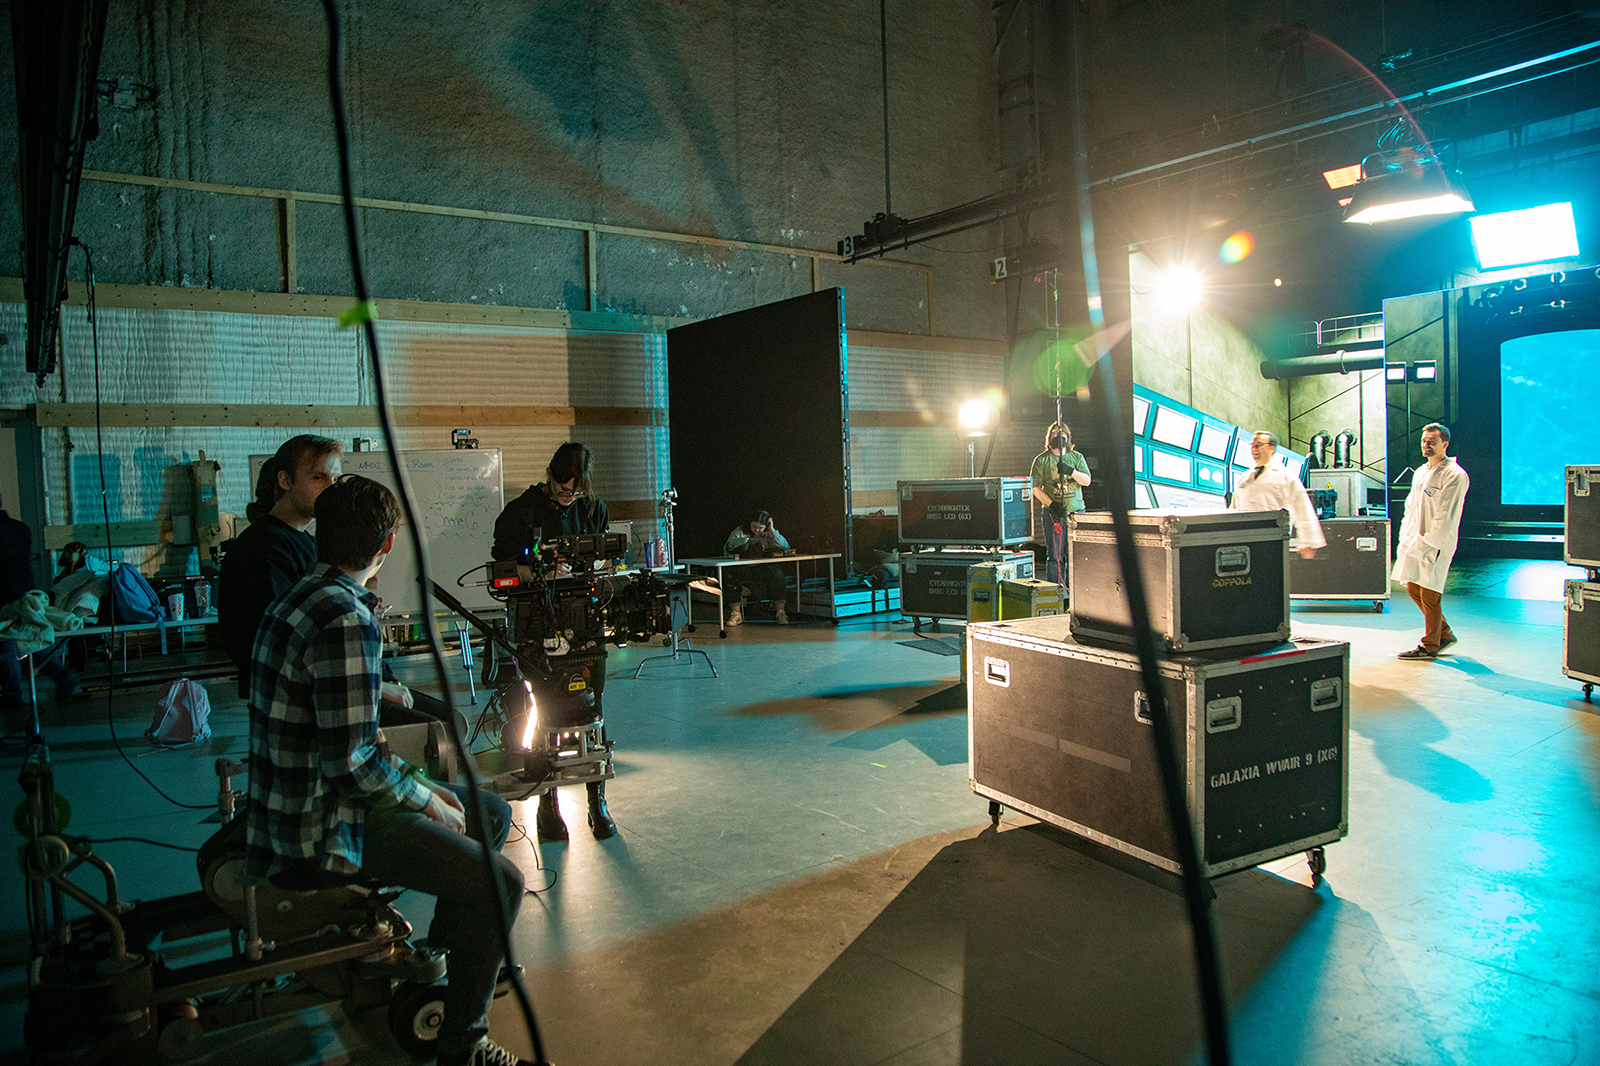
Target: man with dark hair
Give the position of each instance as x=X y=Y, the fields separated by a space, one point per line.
x=275 y=551
x=563 y=505
x=326 y=799
x=1271 y=488
x=1428 y=537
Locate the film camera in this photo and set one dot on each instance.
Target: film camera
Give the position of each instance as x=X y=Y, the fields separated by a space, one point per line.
x=562 y=603
x=564 y=608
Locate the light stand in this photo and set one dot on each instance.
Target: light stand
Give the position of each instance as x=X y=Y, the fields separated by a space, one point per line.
x=668 y=501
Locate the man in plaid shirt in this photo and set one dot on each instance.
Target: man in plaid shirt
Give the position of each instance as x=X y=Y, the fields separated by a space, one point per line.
x=327 y=800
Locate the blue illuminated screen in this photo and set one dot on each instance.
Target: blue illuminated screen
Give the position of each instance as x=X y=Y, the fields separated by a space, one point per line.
x=1545 y=380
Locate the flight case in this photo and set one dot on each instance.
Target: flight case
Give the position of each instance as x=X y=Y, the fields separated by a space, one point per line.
x=1213 y=579
x=1580 y=633
x=971 y=511
x=1353 y=566
x=1581 y=516
x=1060 y=730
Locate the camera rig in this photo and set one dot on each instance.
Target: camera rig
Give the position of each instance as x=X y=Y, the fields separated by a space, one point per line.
x=564 y=605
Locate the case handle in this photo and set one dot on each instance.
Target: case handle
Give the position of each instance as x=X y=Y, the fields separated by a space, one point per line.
x=1224 y=714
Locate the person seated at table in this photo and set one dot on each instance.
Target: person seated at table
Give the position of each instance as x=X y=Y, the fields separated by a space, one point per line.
x=757 y=538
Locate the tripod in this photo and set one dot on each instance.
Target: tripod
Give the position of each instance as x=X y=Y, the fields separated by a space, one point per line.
x=668 y=501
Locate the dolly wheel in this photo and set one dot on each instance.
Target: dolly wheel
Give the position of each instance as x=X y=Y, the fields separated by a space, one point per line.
x=1377 y=606
x=994 y=812
x=1319 y=863
x=415 y=1014
x=1587 y=689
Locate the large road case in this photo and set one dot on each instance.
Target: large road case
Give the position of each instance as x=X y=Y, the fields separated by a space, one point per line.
x=1353 y=566
x=1581 y=516
x=968 y=511
x=1213 y=579
x=1061 y=731
x=933 y=584
x=1580 y=633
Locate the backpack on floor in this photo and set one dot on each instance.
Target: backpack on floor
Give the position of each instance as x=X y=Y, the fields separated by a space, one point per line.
x=132 y=597
x=183 y=713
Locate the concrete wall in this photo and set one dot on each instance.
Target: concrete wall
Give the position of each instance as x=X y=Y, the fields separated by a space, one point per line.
x=744 y=121
x=1198 y=357
x=733 y=122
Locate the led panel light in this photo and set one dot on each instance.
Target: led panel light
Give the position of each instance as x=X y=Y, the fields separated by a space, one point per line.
x=1425 y=371
x=1342 y=177
x=1394 y=372
x=1532 y=235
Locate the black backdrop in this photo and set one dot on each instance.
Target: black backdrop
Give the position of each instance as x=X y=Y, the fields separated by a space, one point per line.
x=759 y=414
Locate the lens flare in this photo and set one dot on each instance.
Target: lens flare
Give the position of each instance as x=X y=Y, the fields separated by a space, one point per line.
x=1237 y=247
x=531 y=730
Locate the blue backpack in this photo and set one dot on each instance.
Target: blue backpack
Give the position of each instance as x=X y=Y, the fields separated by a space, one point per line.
x=132 y=597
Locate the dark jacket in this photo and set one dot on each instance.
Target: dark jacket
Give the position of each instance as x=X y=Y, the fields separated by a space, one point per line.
x=265 y=560
x=534 y=516
x=16 y=558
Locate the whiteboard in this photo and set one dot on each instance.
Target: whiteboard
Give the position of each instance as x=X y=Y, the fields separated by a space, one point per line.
x=457 y=494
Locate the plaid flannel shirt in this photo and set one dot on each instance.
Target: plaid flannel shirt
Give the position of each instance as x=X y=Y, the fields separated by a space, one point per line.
x=315 y=761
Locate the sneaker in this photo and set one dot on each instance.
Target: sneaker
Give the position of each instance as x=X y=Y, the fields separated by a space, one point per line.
x=486 y=1053
x=1419 y=652
x=735 y=616
x=782 y=617
x=1447 y=641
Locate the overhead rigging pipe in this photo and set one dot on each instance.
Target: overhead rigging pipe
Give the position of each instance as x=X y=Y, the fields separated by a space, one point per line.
x=1340 y=362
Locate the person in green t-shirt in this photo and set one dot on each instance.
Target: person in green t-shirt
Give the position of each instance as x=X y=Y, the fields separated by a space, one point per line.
x=1059 y=474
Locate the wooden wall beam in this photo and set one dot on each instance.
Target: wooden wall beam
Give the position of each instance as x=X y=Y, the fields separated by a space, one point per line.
x=330 y=416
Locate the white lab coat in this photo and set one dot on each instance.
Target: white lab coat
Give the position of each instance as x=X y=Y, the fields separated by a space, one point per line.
x=1432 y=525
x=1276 y=489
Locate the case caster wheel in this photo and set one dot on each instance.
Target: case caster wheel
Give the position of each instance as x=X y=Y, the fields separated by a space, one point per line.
x=1377 y=606
x=690 y=628
x=415 y=1014
x=1319 y=865
x=1587 y=689
x=994 y=812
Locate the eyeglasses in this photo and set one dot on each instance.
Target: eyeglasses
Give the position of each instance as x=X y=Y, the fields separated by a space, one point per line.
x=569 y=489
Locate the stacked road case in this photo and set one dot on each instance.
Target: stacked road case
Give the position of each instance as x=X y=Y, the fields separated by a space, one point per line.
x=1061 y=731
x=1060 y=725
x=1214 y=579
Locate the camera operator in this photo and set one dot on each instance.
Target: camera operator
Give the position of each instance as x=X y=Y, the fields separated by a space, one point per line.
x=1059 y=474
x=754 y=538
x=562 y=505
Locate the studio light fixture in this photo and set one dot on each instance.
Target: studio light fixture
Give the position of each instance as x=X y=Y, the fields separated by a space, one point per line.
x=1406 y=178
x=1414 y=190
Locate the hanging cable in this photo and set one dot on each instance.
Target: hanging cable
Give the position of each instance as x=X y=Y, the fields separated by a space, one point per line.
x=1208 y=970
x=364 y=313
x=105 y=514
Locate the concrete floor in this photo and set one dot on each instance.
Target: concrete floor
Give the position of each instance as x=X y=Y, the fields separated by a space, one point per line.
x=803 y=876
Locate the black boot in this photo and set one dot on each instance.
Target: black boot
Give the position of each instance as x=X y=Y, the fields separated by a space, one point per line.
x=548 y=821
x=600 y=818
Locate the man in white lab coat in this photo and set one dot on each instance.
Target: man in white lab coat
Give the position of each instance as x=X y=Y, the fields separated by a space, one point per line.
x=1272 y=488
x=1428 y=537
